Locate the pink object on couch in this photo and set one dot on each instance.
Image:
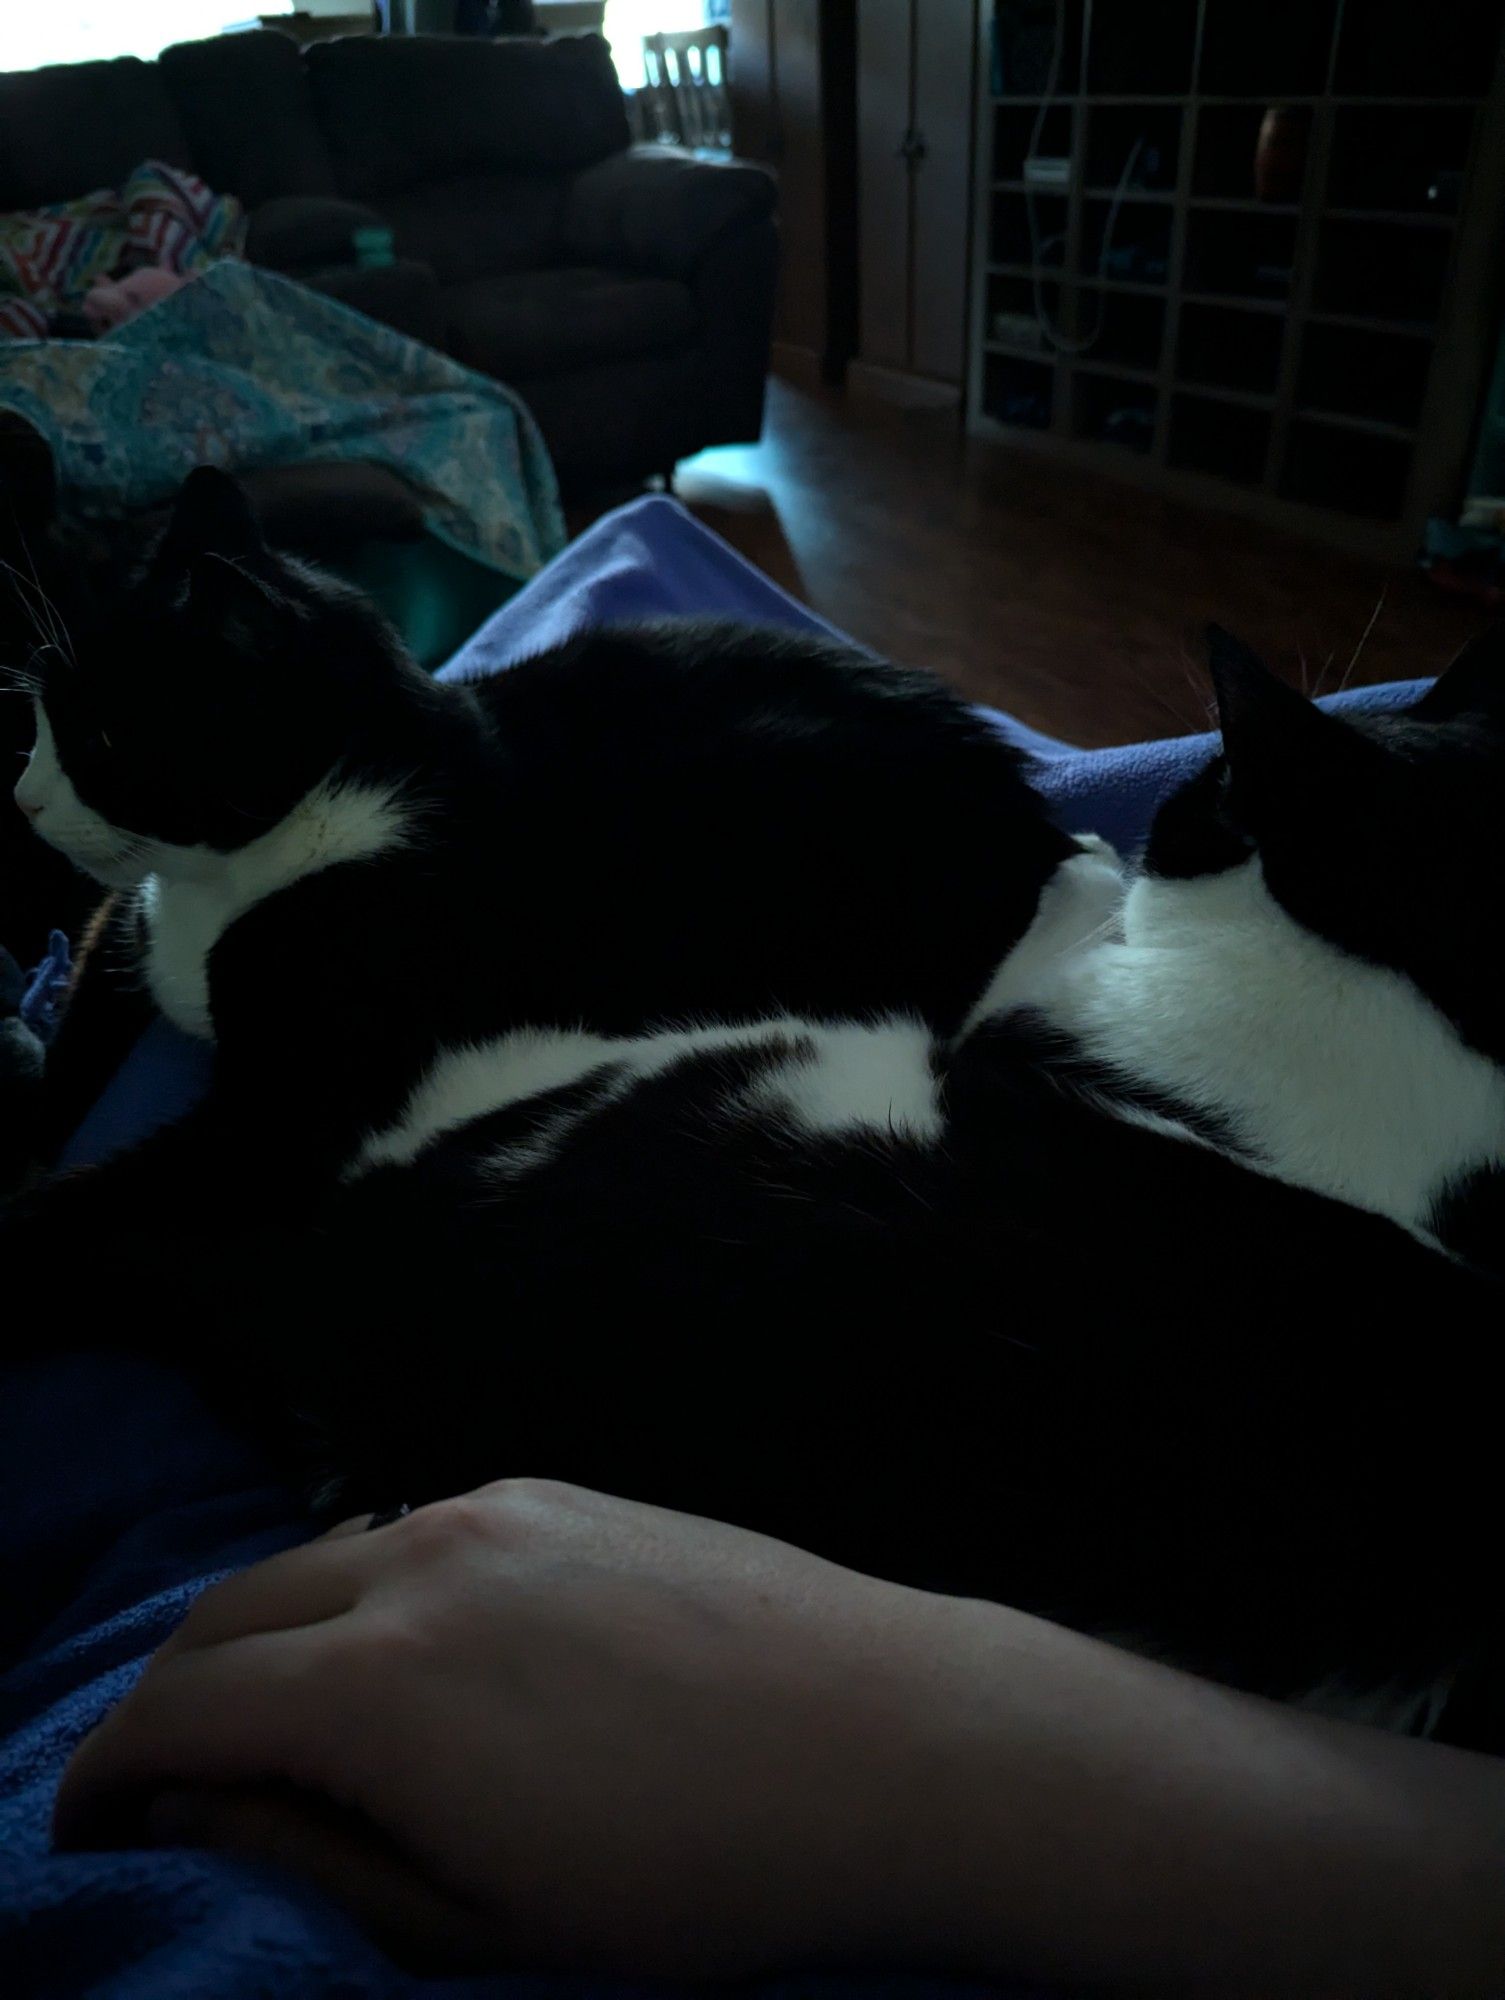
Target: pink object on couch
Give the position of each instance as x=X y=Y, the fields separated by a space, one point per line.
x=110 y=302
x=126 y=245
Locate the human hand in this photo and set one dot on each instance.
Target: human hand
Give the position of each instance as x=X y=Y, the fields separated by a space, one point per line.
x=543 y=1725
x=539 y=1725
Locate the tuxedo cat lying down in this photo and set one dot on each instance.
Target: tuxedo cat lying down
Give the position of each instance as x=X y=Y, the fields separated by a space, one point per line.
x=703 y=1094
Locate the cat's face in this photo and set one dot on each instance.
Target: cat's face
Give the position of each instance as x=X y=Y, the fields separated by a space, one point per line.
x=1382 y=834
x=191 y=716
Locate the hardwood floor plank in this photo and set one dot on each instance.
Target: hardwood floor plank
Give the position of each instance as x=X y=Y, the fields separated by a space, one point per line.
x=1074 y=601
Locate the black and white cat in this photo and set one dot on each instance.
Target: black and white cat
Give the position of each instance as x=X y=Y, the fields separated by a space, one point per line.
x=1269 y=1065
x=1314 y=953
x=395 y=906
x=690 y=1091
x=1083 y=1328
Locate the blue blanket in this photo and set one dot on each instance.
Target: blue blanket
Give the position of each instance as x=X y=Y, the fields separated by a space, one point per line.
x=122 y=1498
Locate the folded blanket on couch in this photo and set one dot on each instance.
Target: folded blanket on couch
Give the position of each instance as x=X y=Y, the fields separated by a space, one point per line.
x=250 y=370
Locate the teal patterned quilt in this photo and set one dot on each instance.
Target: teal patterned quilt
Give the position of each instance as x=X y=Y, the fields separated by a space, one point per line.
x=244 y=369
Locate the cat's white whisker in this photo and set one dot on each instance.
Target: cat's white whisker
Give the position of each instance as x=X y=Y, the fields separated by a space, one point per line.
x=1348 y=671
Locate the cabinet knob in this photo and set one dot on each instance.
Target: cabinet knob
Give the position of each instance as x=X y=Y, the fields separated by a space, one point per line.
x=914 y=146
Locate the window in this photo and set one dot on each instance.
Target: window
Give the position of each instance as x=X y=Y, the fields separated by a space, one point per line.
x=33 y=32
x=627 y=21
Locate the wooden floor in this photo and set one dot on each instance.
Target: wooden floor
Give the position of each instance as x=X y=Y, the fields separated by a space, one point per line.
x=1074 y=601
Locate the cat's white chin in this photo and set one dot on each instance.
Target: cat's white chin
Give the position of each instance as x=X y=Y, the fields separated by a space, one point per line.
x=112 y=855
x=118 y=874
x=118 y=869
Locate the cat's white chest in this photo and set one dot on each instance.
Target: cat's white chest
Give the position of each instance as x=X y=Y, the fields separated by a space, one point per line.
x=184 y=921
x=1336 y=1074
x=196 y=894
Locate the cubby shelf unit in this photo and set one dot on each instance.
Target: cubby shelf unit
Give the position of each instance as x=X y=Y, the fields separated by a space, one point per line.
x=1316 y=358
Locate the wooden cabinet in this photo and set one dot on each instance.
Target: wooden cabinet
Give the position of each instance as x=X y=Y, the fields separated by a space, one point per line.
x=915 y=95
x=864 y=110
x=792 y=108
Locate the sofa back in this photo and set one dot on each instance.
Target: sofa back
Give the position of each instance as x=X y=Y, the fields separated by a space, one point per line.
x=462 y=145
x=401 y=111
x=246 y=106
x=75 y=127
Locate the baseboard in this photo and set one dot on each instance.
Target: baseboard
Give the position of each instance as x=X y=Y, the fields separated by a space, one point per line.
x=893 y=385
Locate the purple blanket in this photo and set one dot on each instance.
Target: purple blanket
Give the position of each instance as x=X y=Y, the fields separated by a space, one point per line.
x=122 y=1498
x=651 y=559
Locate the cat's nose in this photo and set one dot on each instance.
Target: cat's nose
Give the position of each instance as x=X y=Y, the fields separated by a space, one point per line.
x=31 y=811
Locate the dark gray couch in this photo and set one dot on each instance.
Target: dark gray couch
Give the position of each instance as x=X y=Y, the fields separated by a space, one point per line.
x=626 y=292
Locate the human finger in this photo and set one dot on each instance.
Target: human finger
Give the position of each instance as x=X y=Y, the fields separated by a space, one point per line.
x=349 y=1859
x=303 y=1586
x=252 y=1709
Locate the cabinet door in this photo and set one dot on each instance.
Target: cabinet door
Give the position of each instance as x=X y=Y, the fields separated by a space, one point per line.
x=750 y=79
x=801 y=164
x=885 y=38
x=944 y=97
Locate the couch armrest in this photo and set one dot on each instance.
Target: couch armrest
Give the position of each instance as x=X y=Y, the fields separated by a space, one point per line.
x=660 y=209
x=734 y=292
x=404 y=295
x=301 y=232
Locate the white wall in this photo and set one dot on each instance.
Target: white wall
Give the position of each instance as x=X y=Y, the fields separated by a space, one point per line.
x=33 y=32
x=53 y=31
x=627 y=21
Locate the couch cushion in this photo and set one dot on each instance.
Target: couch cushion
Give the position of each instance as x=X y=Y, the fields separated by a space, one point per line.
x=546 y=322
x=399 y=111
x=67 y=130
x=404 y=295
x=479 y=224
x=296 y=232
x=245 y=103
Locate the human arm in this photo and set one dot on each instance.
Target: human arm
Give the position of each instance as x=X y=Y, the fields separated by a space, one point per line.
x=568 y=1730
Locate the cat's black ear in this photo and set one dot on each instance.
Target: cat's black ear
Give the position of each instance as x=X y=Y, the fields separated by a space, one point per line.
x=212 y=560
x=213 y=517
x=1473 y=684
x=1258 y=712
x=1271 y=732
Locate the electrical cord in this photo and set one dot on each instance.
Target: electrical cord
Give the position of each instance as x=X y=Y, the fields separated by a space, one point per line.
x=1055 y=338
